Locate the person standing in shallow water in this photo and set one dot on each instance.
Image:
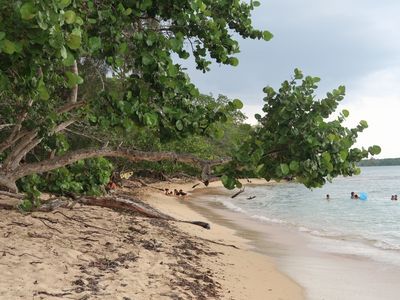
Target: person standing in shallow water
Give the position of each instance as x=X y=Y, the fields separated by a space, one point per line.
x=327 y=197
x=352 y=195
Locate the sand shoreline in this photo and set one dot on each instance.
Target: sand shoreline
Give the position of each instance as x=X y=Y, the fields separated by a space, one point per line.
x=244 y=273
x=98 y=253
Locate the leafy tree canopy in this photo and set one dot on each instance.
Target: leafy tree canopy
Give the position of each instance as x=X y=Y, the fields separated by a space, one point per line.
x=56 y=55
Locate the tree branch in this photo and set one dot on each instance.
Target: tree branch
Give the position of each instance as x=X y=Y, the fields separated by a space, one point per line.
x=5 y=126
x=132 y=155
x=74 y=92
x=16 y=130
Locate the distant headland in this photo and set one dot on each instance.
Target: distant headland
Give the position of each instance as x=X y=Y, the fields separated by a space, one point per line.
x=379 y=162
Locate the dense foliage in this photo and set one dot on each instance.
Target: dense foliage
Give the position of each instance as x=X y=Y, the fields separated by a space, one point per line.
x=83 y=79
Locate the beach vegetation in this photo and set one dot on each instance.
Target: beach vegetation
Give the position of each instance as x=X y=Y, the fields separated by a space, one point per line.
x=81 y=80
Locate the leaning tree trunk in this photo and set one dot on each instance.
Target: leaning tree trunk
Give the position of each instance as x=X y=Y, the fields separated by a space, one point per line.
x=8 y=177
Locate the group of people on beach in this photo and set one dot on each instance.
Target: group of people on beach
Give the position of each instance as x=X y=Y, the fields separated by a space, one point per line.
x=394 y=198
x=175 y=192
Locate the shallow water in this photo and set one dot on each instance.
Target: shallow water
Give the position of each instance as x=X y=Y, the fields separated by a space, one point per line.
x=337 y=249
x=374 y=223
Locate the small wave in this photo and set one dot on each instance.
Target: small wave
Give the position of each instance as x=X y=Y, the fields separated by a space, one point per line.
x=386 y=246
x=270 y=220
x=233 y=207
x=320 y=233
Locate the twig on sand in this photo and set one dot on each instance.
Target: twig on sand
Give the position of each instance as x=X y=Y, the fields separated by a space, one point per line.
x=238 y=193
x=77 y=220
x=219 y=243
x=53 y=294
x=20 y=224
x=59 y=231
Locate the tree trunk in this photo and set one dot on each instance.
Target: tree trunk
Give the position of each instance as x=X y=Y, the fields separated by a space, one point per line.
x=7 y=183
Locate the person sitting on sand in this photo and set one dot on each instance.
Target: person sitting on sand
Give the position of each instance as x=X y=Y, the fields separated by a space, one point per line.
x=182 y=193
x=176 y=192
x=355 y=196
x=166 y=191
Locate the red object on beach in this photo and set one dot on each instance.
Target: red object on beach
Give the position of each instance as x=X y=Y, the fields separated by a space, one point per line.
x=111 y=185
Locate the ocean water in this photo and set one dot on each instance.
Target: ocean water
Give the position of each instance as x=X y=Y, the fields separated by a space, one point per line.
x=339 y=225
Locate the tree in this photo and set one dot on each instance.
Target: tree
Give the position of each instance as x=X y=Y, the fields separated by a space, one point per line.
x=44 y=44
x=297 y=137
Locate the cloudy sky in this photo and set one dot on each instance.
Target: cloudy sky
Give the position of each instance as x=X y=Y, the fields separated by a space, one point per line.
x=355 y=43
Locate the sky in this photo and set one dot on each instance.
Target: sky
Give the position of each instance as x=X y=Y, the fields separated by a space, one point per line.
x=355 y=43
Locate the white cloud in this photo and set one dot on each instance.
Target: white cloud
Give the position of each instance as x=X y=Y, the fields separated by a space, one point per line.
x=376 y=98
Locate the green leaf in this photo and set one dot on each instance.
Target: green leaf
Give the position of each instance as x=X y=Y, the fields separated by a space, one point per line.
x=150 y=119
x=228 y=182
x=94 y=43
x=267 y=36
x=63 y=52
x=237 y=104
x=326 y=157
x=343 y=154
x=128 y=11
x=179 y=125
x=73 y=79
x=233 y=61
x=69 y=17
x=364 y=124
x=284 y=169
x=259 y=169
x=294 y=165
x=43 y=93
x=2 y=35
x=69 y=60
x=8 y=46
x=298 y=74
x=345 y=113
x=63 y=3
x=74 y=39
x=147 y=59
x=374 y=150
x=27 y=11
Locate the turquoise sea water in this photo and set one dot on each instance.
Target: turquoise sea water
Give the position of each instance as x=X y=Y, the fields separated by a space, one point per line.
x=368 y=228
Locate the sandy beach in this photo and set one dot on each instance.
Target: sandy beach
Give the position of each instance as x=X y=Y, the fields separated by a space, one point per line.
x=97 y=253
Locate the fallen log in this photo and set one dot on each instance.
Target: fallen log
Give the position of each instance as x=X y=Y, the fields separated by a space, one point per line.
x=117 y=201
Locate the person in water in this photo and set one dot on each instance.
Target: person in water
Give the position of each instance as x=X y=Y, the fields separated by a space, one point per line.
x=392 y=198
x=355 y=196
x=327 y=196
x=395 y=197
x=352 y=195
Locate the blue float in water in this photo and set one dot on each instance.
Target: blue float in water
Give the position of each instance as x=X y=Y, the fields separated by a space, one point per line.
x=363 y=196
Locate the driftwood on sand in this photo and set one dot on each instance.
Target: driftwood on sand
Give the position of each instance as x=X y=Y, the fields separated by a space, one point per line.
x=117 y=200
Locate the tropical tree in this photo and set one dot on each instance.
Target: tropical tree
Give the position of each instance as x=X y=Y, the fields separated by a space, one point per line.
x=45 y=43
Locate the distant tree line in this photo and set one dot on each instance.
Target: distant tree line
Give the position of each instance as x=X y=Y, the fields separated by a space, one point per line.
x=380 y=162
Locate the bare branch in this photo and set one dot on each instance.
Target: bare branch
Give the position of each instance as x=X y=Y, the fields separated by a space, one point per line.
x=5 y=126
x=74 y=92
x=17 y=128
x=70 y=106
